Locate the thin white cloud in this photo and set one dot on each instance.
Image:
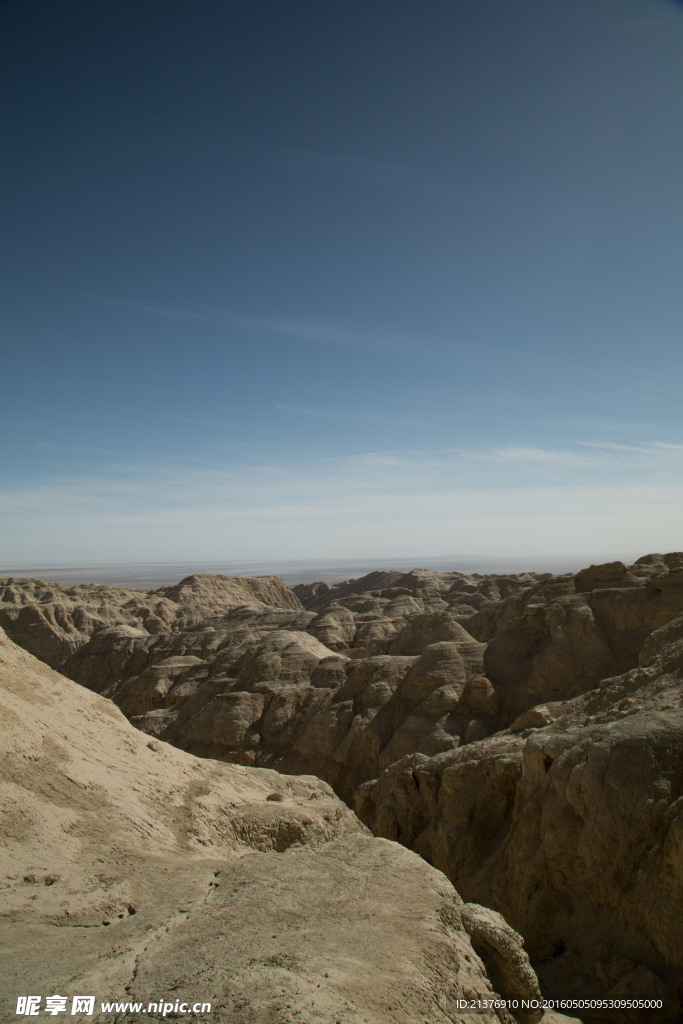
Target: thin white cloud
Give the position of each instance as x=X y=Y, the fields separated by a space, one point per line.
x=291 y=327
x=650 y=449
x=461 y=193
x=492 y=500
x=360 y=417
x=601 y=455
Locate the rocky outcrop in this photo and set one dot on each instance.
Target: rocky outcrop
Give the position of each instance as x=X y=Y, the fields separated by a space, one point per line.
x=394 y=584
x=570 y=827
x=52 y=621
x=358 y=930
x=79 y=783
x=140 y=874
x=281 y=699
x=289 y=690
x=522 y=734
x=500 y=948
x=558 y=638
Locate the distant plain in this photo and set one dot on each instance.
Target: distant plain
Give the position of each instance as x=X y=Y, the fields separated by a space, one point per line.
x=150 y=575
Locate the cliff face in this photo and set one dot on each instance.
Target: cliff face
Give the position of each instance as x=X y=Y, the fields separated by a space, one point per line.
x=282 y=699
x=570 y=825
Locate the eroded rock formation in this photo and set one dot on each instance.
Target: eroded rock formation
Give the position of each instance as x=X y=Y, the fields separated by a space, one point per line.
x=346 y=691
x=569 y=824
x=521 y=733
x=139 y=874
x=282 y=699
x=52 y=621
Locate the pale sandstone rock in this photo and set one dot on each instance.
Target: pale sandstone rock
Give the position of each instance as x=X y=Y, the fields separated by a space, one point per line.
x=136 y=872
x=284 y=700
x=534 y=718
x=500 y=947
x=560 y=637
x=526 y=821
x=416 y=582
x=360 y=930
x=259 y=694
x=80 y=783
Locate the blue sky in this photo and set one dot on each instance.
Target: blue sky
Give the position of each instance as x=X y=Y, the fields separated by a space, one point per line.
x=345 y=279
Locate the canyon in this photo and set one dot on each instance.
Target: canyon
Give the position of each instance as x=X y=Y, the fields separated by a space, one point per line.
x=518 y=738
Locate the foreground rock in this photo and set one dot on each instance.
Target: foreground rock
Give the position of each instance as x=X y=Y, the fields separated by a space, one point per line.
x=357 y=930
x=137 y=873
x=52 y=621
x=82 y=788
x=574 y=830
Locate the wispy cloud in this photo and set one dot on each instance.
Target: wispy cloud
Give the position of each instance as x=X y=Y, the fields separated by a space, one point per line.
x=511 y=499
x=601 y=455
x=357 y=417
x=382 y=172
x=291 y=327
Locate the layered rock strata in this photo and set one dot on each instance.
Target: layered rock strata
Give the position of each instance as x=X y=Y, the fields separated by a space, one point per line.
x=520 y=733
x=284 y=700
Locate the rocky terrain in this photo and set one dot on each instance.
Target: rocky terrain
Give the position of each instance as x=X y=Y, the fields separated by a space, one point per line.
x=570 y=823
x=521 y=733
x=140 y=873
x=346 y=691
x=52 y=621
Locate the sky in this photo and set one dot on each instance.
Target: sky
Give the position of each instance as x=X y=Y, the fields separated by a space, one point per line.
x=340 y=280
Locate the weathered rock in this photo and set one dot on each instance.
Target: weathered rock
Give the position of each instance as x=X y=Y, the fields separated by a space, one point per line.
x=244 y=690
x=481 y=722
x=79 y=783
x=357 y=930
x=416 y=582
x=281 y=699
x=558 y=638
x=571 y=831
x=500 y=947
x=137 y=873
x=52 y=621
